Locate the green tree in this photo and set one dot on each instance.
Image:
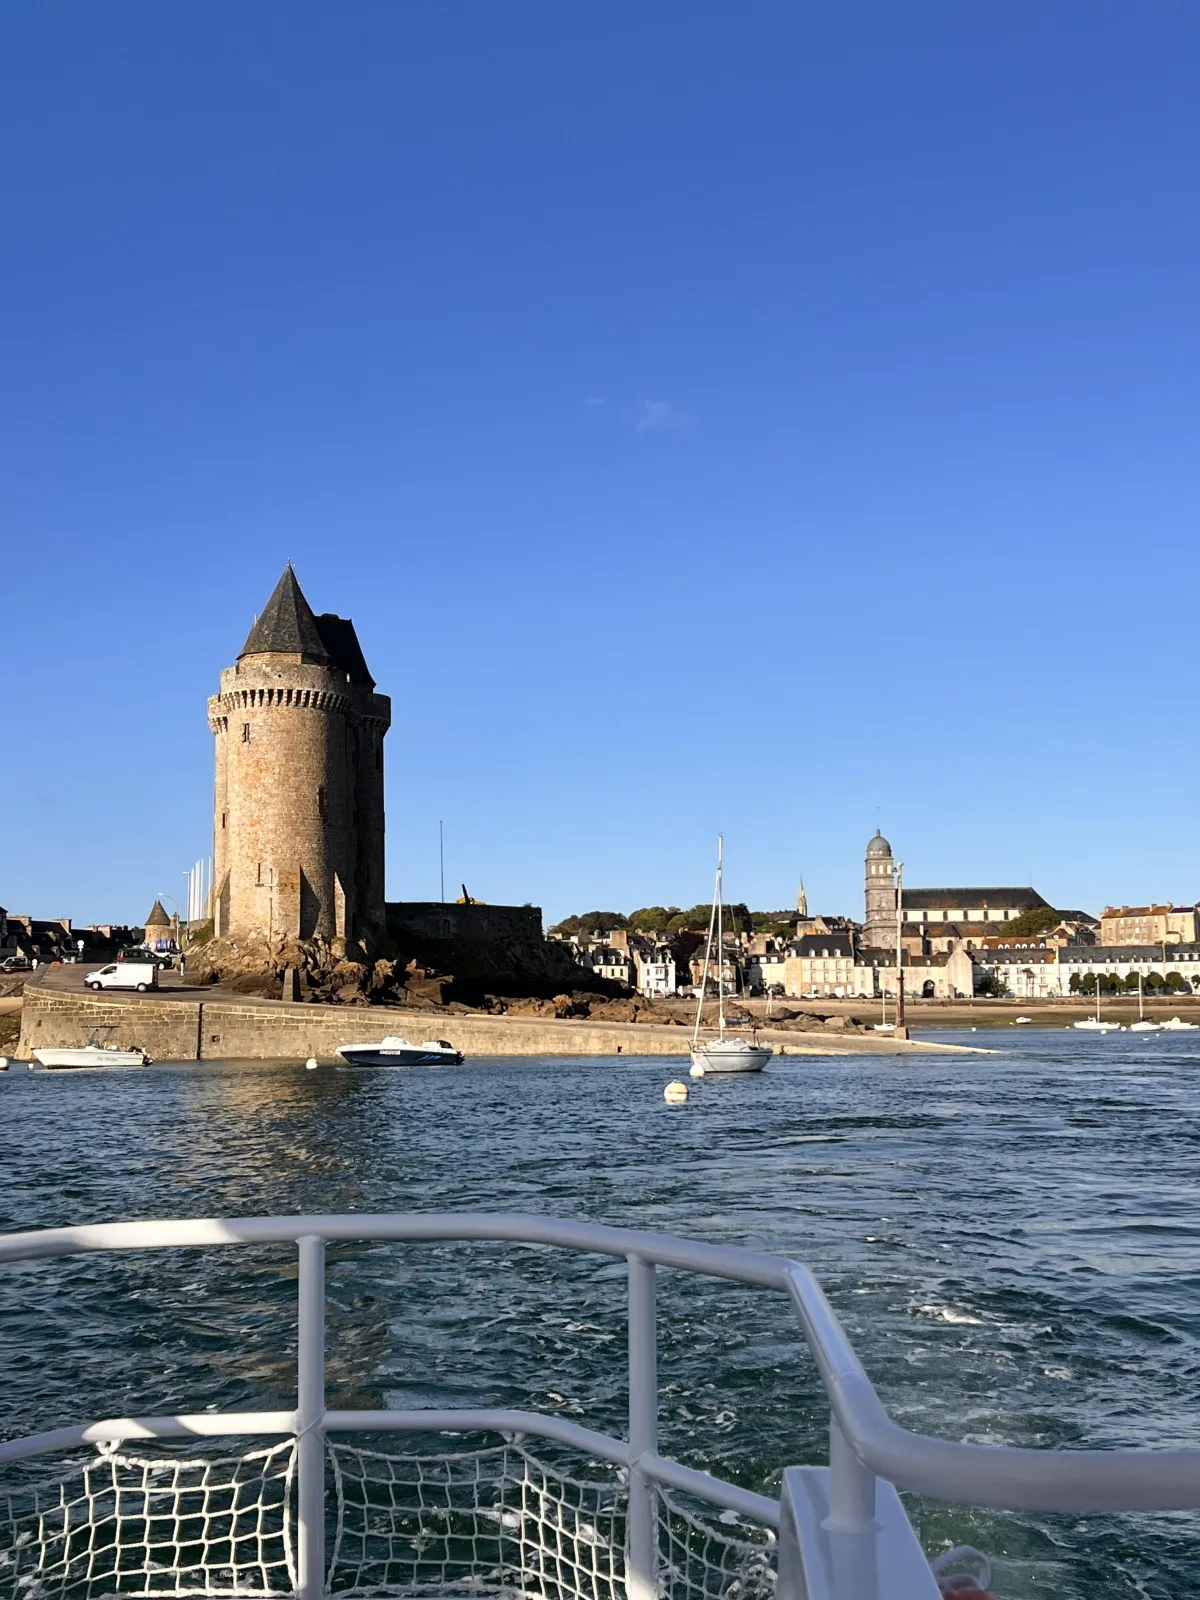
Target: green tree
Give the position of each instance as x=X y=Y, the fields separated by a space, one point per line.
x=591 y=922
x=1155 y=980
x=1074 y=984
x=1130 y=980
x=1039 y=920
x=1176 y=983
x=1087 y=983
x=652 y=919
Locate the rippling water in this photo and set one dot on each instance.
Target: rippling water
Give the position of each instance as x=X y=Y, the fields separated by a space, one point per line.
x=1011 y=1241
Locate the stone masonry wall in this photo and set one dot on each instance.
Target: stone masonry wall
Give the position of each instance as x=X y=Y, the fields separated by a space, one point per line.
x=185 y=1030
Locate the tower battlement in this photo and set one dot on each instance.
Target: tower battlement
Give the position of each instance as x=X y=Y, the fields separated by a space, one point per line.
x=298 y=818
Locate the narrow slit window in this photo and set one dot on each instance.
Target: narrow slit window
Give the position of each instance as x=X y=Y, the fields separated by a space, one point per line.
x=245 y=733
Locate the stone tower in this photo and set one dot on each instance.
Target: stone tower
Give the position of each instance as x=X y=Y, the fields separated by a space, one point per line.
x=298 y=814
x=879 y=926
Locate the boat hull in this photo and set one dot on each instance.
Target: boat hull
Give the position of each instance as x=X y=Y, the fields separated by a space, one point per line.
x=413 y=1055
x=731 y=1056
x=75 y=1060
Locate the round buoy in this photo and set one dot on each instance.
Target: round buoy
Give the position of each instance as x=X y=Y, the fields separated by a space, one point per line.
x=697 y=1070
x=675 y=1093
x=3 y=1063
x=311 y=1063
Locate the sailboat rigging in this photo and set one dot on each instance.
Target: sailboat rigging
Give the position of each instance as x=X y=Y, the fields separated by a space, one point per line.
x=721 y=1054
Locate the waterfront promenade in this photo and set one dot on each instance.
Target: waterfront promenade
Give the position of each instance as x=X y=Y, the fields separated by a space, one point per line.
x=179 y=1023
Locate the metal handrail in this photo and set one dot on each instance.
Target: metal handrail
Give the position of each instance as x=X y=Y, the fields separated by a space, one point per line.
x=865 y=1442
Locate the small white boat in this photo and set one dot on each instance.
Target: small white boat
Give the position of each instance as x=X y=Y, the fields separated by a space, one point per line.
x=1176 y=1025
x=396 y=1051
x=1141 y=1025
x=884 y=1027
x=722 y=1054
x=1017 y=1021
x=90 y=1055
x=1094 y=1025
x=730 y=1055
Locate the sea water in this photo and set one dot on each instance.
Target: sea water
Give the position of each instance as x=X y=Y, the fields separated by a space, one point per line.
x=1011 y=1241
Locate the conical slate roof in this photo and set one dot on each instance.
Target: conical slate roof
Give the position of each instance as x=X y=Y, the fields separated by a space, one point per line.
x=287 y=625
x=158 y=918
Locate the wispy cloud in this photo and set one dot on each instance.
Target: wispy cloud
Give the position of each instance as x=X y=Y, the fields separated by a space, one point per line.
x=592 y=403
x=657 y=416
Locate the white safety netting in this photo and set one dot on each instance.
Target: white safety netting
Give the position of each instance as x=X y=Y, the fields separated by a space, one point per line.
x=500 y=1521
x=117 y=1523
x=505 y=1521
x=704 y=1554
x=497 y=1521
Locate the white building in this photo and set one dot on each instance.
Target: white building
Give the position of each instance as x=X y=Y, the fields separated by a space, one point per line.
x=655 y=968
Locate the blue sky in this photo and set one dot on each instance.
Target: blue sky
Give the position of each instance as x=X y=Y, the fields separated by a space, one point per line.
x=771 y=418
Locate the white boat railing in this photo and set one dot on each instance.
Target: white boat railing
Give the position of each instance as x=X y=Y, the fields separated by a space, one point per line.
x=842 y=1531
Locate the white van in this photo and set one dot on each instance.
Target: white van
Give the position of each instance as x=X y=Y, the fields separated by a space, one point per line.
x=139 y=975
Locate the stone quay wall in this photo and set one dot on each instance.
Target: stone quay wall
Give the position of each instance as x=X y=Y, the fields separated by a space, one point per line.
x=220 y=1027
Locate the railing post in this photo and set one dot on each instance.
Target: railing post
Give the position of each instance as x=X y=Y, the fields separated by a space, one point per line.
x=851 y=1488
x=851 y=1524
x=641 y=1553
x=310 y=1413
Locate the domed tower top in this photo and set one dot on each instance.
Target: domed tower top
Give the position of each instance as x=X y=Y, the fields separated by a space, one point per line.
x=879 y=924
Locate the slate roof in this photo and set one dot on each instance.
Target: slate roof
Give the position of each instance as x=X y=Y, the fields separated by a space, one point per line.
x=287 y=626
x=944 y=899
x=343 y=647
x=821 y=944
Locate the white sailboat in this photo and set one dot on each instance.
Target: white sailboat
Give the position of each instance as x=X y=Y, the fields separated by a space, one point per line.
x=722 y=1054
x=1093 y=1024
x=1141 y=1025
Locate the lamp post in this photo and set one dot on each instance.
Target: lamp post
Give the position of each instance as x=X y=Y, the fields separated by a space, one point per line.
x=178 y=926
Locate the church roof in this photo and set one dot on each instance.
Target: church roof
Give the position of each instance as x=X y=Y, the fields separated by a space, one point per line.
x=879 y=845
x=158 y=918
x=287 y=625
x=945 y=899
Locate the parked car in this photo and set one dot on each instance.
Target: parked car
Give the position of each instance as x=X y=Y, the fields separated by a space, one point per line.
x=160 y=958
x=15 y=964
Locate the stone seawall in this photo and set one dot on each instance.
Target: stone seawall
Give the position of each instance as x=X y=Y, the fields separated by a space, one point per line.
x=186 y=1029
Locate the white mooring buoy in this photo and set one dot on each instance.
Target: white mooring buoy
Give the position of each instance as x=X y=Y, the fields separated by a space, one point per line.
x=311 y=1063
x=697 y=1071
x=675 y=1093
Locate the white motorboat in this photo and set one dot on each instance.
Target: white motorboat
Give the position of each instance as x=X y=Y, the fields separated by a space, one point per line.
x=90 y=1055
x=1177 y=1025
x=1017 y=1021
x=396 y=1051
x=722 y=1054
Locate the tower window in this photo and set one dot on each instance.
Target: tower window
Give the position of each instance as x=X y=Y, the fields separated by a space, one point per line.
x=245 y=733
x=379 y=761
x=224 y=814
x=321 y=801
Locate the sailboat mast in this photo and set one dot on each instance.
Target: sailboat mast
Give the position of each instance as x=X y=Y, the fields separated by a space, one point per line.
x=712 y=918
x=720 y=937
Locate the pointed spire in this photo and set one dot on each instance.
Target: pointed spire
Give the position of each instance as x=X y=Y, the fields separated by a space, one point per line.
x=287 y=625
x=158 y=918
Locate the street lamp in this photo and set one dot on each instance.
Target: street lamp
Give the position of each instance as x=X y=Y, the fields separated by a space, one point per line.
x=178 y=923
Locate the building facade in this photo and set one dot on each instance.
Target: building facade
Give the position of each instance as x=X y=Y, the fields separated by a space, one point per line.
x=1165 y=924
x=820 y=964
x=298 y=813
